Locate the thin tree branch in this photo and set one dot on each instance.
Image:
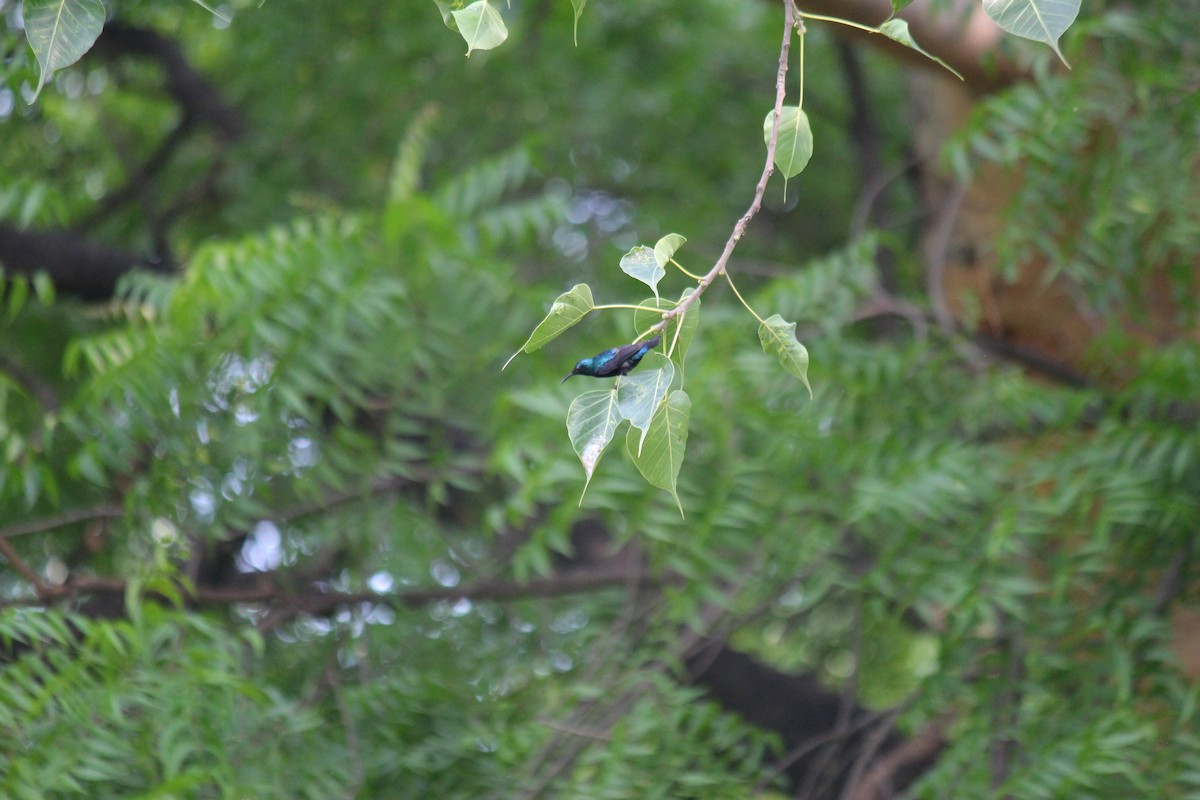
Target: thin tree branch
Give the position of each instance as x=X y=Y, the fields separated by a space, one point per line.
x=17 y=563
x=103 y=511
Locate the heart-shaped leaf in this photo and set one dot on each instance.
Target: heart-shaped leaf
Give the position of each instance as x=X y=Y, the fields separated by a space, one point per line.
x=641 y=263
x=658 y=454
x=592 y=420
x=568 y=309
x=640 y=393
x=481 y=26
x=794 y=147
x=779 y=339
x=1039 y=20
x=60 y=32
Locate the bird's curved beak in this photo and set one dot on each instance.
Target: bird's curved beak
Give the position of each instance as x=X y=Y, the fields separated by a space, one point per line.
x=564 y=380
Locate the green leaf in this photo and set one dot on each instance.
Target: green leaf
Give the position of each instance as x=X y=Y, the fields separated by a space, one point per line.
x=592 y=420
x=446 y=8
x=900 y=5
x=60 y=32
x=779 y=339
x=794 y=147
x=578 y=4
x=658 y=454
x=642 y=263
x=1039 y=20
x=18 y=293
x=897 y=31
x=568 y=309
x=665 y=248
x=679 y=331
x=640 y=393
x=481 y=26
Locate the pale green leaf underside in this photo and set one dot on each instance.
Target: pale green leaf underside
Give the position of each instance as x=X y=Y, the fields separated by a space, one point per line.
x=60 y=32
x=640 y=393
x=897 y=31
x=794 y=147
x=568 y=309
x=1039 y=20
x=779 y=339
x=659 y=454
x=481 y=26
x=592 y=420
x=666 y=247
x=641 y=263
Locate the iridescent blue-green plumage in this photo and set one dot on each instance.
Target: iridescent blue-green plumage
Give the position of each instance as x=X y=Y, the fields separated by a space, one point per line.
x=615 y=361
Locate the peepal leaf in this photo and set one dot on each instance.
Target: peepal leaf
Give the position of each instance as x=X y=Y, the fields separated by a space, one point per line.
x=481 y=26
x=1039 y=20
x=640 y=393
x=794 y=147
x=666 y=247
x=779 y=339
x=675 y=346
x=60 y=32
x=897 y=31
x=641 y=263
x=568 y=309
x=660 y=455
x=592 y=420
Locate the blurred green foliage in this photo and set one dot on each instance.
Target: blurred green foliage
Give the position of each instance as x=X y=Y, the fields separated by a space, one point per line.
x=323 y=379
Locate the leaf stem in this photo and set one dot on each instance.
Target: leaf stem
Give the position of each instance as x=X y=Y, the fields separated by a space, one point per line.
x=611 y=306
x=839 y=21
x=729 y=280
x=679 y=267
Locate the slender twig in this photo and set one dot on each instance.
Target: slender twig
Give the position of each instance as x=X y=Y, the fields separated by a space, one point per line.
x=103 y=511
x=792 y=22
x=27 y=572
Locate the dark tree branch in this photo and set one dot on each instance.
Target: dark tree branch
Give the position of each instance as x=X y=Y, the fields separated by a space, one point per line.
x=77 y=266
x=199 y=101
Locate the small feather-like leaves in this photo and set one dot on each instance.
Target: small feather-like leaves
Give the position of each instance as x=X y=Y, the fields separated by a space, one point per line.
x=794 y=147
x=640 y=393
x=60 y=32
x=659 y=454
x=642 y=263
x=592 y=420
x=897 y=31
x=568 y=309
x=481 y=26
x=779 y=339
x=1039 y=20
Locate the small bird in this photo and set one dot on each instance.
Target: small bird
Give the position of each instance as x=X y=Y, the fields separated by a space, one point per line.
x=617 y=361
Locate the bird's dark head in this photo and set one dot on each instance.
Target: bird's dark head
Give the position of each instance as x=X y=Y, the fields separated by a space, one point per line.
x=583 y=367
